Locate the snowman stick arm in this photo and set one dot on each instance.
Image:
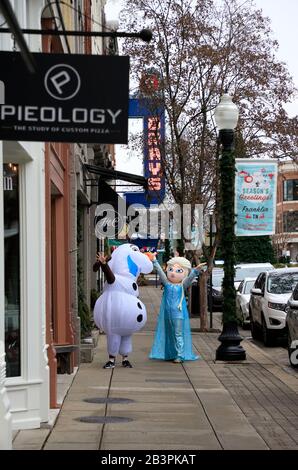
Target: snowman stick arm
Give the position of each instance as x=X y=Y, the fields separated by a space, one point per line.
x=96 y=266
x=110 y=277
x=106 y=270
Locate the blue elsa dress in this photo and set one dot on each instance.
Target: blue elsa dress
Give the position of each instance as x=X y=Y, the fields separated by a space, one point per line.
x=172 y=338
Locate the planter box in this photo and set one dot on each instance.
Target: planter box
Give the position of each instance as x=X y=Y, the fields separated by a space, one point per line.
x=88 y=346
x=86 y=352
x=95 y=336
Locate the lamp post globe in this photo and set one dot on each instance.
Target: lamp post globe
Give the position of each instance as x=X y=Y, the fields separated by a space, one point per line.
x=226 y=117
x=226 y=113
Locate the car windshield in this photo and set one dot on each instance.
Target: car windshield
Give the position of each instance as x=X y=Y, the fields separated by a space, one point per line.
x=248 y=286
x=282 y=283
x=242 y=273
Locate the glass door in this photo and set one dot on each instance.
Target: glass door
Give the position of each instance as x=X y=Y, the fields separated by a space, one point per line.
x=12 y=269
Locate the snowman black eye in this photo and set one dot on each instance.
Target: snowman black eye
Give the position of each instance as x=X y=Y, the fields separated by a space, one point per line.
x=134 y=248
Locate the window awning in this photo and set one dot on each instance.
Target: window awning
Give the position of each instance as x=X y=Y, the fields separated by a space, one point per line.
x=107 y=195
x=107 y=173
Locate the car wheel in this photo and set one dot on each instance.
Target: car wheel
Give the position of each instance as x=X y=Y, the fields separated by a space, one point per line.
x=292 y=358
x=267 y=334
x=253 y=327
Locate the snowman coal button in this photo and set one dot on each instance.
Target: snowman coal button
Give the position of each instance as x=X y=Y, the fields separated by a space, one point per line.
x=139 y=305
x=139 y=318
x=134 y=286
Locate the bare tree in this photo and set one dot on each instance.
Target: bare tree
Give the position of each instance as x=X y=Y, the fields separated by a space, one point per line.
x=200 y=48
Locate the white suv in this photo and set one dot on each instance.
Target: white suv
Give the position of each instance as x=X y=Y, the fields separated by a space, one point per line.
x=268 y=302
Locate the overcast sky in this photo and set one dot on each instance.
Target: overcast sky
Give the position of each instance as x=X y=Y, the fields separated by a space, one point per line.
x=284 y=15
x=284 y=23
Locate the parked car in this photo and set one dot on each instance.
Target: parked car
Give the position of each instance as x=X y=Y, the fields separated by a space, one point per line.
x=217 y=297
x=268 y=301
x=242 y=300
x=244 y=270
x=292 y=327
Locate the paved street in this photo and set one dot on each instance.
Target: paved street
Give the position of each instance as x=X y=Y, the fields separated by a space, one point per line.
x=161 y=406
x=278 y=354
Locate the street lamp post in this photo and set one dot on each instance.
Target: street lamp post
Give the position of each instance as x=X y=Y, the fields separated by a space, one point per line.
x=226 y=118
x=210 y=278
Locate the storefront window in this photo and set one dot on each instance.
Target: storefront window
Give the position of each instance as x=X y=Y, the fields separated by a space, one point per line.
x=291 y=190
x=12 y=269
x=290 y=220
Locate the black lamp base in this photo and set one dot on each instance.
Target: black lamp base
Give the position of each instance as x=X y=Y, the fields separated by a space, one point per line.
x=230 y=348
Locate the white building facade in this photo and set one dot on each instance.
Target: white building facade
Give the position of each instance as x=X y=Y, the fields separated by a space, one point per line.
x=22 y=268
x=24 y=313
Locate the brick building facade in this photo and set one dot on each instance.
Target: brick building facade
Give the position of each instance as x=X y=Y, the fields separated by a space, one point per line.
x=286 y=238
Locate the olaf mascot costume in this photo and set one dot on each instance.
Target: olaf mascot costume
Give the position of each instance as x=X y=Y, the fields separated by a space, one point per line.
x=118 y=311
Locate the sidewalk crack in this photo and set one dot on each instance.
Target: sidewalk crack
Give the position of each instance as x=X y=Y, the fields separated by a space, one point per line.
x=105 y=411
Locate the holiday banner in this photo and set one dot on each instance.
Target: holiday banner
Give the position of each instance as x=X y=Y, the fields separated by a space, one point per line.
x=255 y=197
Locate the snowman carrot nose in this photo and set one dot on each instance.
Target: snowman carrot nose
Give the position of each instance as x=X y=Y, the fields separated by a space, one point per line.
x=151 y=256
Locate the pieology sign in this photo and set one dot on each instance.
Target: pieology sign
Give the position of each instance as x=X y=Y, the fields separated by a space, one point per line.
x=71 y=98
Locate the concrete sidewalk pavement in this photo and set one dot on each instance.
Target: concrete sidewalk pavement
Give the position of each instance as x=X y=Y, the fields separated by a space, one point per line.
x=159 y=405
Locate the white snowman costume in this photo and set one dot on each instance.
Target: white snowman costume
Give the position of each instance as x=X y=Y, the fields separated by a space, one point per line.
x=118 y=311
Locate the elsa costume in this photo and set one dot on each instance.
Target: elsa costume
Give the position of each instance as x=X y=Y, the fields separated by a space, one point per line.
x=172 y=338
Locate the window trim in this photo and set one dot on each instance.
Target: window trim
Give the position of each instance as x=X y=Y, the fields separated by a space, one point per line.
x=286 y=183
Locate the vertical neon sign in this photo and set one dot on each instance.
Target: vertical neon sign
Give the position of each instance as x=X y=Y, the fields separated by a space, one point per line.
x=154 y=154
x=154 y=136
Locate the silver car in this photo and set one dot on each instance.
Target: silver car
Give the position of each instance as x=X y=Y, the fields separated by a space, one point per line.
x=292 y=327
x=242 y=300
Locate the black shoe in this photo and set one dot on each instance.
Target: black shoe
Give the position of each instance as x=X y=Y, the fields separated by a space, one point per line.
x=109 y=365
x=126 y=363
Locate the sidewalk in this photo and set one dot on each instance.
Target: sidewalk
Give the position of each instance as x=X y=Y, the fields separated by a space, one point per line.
x=163 y=406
